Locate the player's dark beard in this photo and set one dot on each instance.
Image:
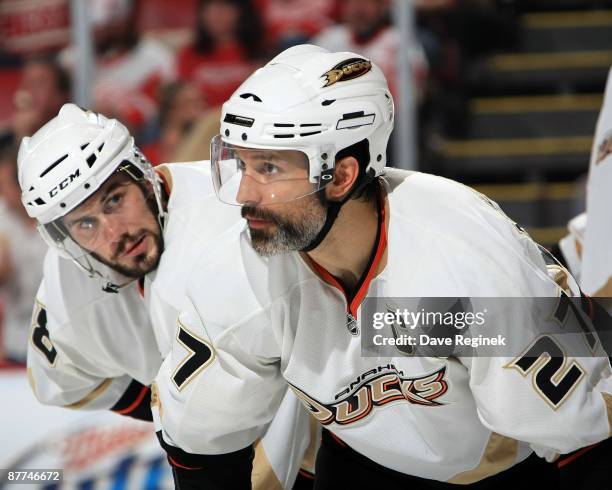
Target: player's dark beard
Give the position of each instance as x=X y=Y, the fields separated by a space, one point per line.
x=144 y=264
x=289 y=235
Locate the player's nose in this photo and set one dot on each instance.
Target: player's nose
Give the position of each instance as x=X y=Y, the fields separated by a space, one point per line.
x=113 y=228
x=249 y=191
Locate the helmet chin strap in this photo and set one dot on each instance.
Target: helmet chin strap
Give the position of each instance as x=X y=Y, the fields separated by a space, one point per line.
x=333 y=209
x=108 y=286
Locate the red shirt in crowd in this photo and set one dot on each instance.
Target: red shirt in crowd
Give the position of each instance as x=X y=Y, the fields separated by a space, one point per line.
x=218 y=74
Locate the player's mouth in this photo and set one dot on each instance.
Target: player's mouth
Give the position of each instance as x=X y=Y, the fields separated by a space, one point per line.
x=258 y=218
x=257 y=223
x=137 y=248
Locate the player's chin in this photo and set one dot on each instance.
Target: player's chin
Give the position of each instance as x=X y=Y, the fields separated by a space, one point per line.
x=263 y=235
x=268 y=246
x=142 y=264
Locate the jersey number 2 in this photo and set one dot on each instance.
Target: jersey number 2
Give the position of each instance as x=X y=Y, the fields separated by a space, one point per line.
x=552 y=379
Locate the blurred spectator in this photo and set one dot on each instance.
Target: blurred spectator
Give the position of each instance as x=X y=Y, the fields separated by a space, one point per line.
x=366 y=29
x=181 y=106
x=44 y=87
x=129 y=69
x=22 y=252
x=225 y=49
x=31 y=28
x=291 y=22
x=196 y=144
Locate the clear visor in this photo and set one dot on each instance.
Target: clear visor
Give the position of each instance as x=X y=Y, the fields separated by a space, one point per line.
x=256 y=176
x=104 y=224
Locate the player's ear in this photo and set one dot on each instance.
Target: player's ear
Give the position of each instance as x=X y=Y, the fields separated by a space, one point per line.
x=346 y=172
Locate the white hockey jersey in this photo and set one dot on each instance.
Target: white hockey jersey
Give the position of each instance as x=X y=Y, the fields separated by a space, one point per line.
x=86 y=345
x=285 y=320
x=596 y=276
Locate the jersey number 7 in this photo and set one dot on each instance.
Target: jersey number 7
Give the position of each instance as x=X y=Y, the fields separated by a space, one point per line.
x=201 y=354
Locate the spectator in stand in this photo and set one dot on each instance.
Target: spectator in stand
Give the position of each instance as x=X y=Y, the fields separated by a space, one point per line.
x=181 y=106
x=32 y=28
x=225 y=50
x=366 y=29
x=21 y=257
x=291 y=22
x=129 y=68
x=43 y=89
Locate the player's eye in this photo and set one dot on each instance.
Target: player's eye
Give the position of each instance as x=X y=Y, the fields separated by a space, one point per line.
x=85 y=225
x=114 y=202
x=270 y=168
x=240 y=165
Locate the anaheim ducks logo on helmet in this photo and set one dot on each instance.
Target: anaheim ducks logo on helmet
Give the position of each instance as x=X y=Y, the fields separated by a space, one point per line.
x=605 y=148
x=347 y=70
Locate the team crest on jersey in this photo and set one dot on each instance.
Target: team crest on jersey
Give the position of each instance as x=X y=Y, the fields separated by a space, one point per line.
x=605 y=148
x=351 y=324
x=375 y=388
x=347 y=70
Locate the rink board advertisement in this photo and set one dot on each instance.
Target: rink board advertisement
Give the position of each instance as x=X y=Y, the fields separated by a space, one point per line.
x=93 y=450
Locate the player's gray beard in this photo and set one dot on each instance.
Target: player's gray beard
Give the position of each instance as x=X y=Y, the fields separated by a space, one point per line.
x=290 y=236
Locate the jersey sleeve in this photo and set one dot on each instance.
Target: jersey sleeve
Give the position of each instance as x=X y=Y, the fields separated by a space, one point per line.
x=76 y=353
x=54 y=372
x=553 y=389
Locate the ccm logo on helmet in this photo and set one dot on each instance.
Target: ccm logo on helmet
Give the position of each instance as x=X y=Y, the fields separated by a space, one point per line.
x=347 y=70
x=64 y=183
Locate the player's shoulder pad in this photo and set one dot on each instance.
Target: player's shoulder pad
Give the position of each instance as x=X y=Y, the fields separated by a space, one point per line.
x=186 y=177
x=231 y=283
x=431 y=197
x=463 y=222
x=241 y=281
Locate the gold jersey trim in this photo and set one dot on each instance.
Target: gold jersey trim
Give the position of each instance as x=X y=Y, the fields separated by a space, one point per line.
x=263 y=476
x=308 y=463
x=92 y=395
x=608 y=401
x=499 y=455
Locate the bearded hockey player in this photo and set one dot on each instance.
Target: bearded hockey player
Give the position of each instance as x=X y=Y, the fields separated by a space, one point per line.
x=330 y=227
x=122 y=238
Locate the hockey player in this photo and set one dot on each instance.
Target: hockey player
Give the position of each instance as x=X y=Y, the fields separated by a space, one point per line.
x=586 y=248
x=586 y=251
x=104 y=319
x=329 y=228
x=596 y=274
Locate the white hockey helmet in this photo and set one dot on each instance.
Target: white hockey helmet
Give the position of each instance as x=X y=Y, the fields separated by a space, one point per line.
x=310 y=100
x=66 y=161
